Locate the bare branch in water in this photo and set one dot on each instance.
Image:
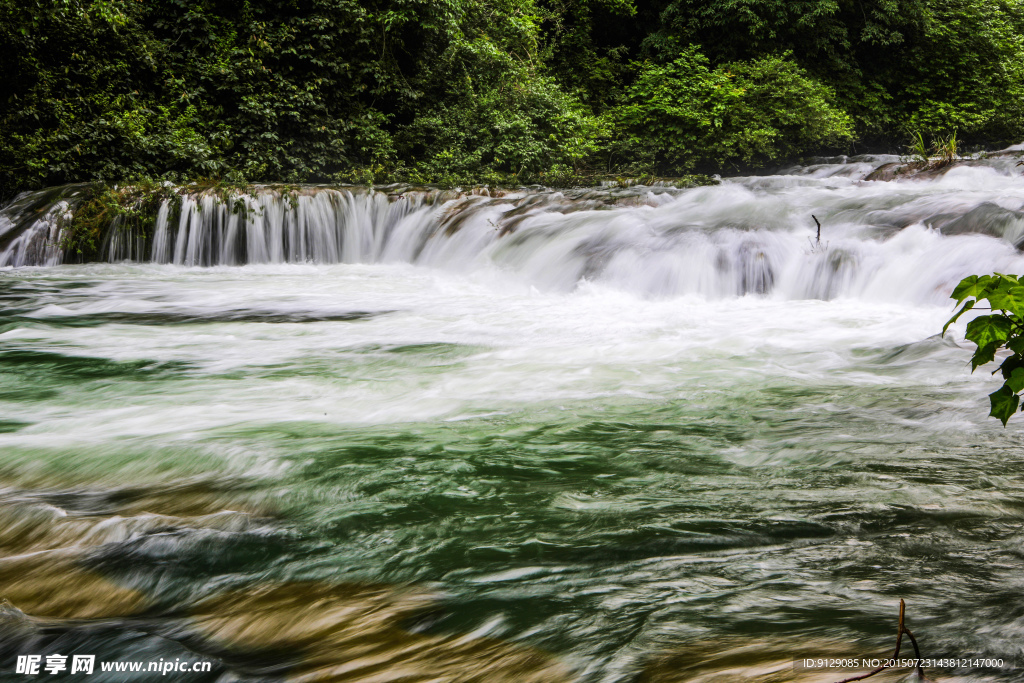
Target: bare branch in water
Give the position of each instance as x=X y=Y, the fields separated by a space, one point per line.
x=899 y=639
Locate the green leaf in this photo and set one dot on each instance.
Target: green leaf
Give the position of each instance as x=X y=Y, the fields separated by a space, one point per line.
x=1016 y=344
x=984 y=354
x=971 y=286
x=987 y=329
x=1008 y=297
x=1009 y=365
x=966 y=307
x=1004 y=403
x=1016 y=380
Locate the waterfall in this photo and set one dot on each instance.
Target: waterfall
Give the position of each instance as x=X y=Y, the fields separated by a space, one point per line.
x=30 y=227
x=908 y=240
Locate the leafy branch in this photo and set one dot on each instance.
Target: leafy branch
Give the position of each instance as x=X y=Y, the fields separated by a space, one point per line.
x=1002 y=329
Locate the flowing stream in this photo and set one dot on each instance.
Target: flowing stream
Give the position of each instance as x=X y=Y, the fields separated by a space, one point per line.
x=622 y=434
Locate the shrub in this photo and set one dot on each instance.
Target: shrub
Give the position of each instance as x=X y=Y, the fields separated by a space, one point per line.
x=686 y=114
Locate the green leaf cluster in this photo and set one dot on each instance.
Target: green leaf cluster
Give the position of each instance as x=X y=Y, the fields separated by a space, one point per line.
x=1001 y=330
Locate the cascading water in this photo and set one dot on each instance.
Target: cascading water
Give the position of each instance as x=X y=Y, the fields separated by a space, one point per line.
x=616 y=435
x=746 y=236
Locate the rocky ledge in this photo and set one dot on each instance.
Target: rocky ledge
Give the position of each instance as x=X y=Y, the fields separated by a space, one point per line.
x=934 y=168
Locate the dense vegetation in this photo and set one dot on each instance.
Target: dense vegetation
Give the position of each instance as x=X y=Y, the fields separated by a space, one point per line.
x=489 y=90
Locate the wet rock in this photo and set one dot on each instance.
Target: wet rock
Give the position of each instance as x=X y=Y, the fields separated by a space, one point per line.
x=985 y=219
x=917 y=170
x=15 y=624
x=901 y=171
x=757 y=276
x=355 y=632
x=49 y=584
x=767 y=660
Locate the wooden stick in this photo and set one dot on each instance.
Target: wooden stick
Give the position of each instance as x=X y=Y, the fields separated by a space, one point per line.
x=899 y=639
x=917 y=653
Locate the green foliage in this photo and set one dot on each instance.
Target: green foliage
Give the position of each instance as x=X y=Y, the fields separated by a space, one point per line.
x=277 y=90
x=687 y=114
x=947 y=149
x=919 y=151
x=966 y=71
x=470 y=91
x=522 y=126
x=896 y=65
x=129 y=208
x=944 y=150
x=1003 y=329
x=588 y=46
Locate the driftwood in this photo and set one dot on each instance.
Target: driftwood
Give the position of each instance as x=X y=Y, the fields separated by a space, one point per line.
x=816 y=246
x=899 y=639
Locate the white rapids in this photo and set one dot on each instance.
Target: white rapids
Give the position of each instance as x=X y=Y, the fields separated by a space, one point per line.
x=907 y=240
